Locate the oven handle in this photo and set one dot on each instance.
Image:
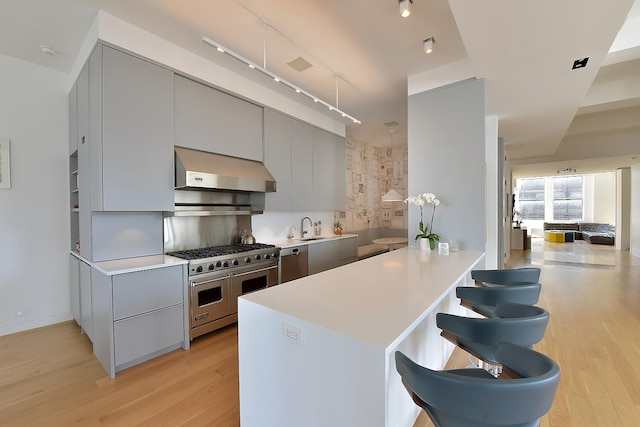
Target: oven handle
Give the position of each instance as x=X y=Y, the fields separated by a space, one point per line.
x=206 y=282
x=255 y=271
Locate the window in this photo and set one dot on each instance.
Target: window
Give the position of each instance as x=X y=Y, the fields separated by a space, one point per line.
x=531 y=198
x=567 y=198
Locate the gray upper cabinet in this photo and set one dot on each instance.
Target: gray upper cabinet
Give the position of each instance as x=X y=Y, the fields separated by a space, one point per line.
x=209 y=120
x=329 y=173
x=277 y=158
x=73 y=119
x=308 y=164
x=302 y=166
x=131 y=133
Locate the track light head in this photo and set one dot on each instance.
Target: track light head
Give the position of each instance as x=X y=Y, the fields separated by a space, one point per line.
x=405 y=7
x=428 y=45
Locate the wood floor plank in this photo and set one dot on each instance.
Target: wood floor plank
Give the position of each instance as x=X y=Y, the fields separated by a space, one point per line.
x=49 y=376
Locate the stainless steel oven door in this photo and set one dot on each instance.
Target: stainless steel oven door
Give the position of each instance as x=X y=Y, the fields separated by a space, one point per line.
x=210 y=298
x=244 y=282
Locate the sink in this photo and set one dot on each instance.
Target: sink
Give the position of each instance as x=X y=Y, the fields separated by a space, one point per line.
x=306 y=239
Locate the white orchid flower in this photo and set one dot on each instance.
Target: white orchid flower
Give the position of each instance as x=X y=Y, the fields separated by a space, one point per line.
x=436 y=202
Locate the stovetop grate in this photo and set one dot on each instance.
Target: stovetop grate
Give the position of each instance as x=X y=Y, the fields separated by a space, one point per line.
x=213 y=251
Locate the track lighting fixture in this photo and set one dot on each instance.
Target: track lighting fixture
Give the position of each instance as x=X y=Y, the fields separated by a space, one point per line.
x=263 y=69
x=405 y=7
x=428 y=45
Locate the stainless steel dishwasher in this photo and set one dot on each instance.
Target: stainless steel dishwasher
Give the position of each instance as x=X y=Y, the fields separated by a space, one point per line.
x=294 y=263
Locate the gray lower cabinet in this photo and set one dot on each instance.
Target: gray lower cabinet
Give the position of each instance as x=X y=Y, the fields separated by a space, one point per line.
x=86 y=300
x=348 y=250
x=139 y=315
x=331 y=253
x=210 y=120
x=74 y=272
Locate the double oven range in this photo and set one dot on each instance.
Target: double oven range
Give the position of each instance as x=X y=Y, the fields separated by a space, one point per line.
x=219 y=275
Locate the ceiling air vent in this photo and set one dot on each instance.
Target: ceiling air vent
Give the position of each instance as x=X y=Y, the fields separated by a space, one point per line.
x=299 y=64
x=580 y=63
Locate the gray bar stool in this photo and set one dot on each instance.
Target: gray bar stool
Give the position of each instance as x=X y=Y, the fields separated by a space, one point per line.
x=483 y=300
x=506 y=276
x=467 y=397
x=518 y=324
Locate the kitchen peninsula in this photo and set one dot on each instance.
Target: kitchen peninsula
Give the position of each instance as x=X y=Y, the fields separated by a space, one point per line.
x=319 y=350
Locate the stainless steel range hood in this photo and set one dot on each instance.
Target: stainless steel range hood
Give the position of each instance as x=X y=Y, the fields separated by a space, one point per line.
x=200 y=170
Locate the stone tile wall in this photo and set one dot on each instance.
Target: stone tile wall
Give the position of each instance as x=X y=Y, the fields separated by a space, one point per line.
x=371 y=172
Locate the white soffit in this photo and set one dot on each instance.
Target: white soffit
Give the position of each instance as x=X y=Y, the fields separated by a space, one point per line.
x=525 y=51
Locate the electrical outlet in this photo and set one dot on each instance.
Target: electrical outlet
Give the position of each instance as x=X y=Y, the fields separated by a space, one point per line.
x=292 y=333
x=22 y=312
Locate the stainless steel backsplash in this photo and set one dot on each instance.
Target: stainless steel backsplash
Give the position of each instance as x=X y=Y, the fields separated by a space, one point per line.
x=192 y=232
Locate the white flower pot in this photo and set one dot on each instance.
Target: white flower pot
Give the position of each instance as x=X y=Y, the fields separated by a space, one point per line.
x=424 y=244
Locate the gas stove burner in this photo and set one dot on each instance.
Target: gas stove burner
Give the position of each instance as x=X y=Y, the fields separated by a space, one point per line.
x=214 y=251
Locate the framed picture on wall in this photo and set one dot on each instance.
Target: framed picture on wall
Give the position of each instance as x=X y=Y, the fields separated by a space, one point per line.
x=5 y=164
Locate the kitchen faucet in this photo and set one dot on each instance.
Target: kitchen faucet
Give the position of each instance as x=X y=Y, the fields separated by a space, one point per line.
x=302 y=230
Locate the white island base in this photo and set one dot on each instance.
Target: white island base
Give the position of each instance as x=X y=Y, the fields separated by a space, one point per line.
x=319 y=351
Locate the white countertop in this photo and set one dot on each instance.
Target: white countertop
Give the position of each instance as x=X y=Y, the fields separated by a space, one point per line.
x=374 y=300
x=288 y=243
x=131 y=265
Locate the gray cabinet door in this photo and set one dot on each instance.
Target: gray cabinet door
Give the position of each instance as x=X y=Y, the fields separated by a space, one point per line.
x=340 y=176
x=145 y=291
x=324 y=170
x=329 y=171
x=210 y=120
x=277 y=158
x=140 y=337
x=301 y=166
x=74 y=272
x=84 y=165
x=137 y=124
x=86 y=308
x=324 y=255
x=73 y=119
x=348 y=250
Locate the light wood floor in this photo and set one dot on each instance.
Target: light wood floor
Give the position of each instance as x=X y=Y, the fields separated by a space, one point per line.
x=48 y=376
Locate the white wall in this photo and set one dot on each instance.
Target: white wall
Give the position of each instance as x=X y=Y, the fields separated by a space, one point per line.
x=34 y=215
x=604 y=198
x=623 y=208
x=635 y=211
x=271 y=226
x=494 y=186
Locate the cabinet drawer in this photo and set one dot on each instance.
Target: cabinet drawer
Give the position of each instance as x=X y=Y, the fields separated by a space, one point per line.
x=144 y=291
x=146 y=334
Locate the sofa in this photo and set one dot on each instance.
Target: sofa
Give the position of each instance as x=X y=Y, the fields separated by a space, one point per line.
x=598 y=234
x=366 y=247
x=595 y=233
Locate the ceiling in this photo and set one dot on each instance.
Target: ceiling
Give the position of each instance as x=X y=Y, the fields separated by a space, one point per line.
x=362 y=51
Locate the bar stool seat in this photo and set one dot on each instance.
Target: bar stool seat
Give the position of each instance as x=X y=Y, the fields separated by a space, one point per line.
x=483 y=300
x=519 y=324
x=506 y=276
x=470 y=398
